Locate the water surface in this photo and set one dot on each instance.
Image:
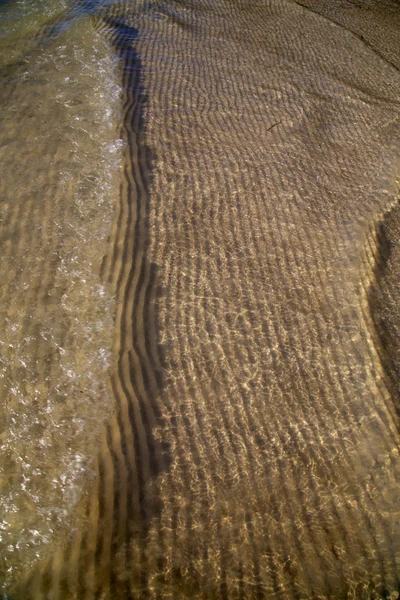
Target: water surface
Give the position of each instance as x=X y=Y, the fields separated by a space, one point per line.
x=199 y=285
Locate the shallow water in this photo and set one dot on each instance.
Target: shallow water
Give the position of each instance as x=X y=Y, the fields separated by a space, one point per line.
x=199 y=284
x=60 y=154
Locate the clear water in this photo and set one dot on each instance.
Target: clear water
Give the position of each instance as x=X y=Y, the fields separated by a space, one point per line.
x=251 y=447
x=60 y=155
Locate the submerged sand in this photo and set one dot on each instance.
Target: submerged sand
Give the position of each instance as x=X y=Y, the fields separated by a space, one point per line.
x=253 y=445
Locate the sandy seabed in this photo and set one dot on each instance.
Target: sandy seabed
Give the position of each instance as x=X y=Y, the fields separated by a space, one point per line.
x=251 y=450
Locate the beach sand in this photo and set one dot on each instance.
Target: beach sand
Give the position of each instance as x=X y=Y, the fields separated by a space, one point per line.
x=253 y=445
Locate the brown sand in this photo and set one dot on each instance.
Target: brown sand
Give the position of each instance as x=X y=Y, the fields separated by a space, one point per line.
x=253 y=450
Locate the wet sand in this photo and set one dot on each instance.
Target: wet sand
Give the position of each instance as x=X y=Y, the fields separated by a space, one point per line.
x=253 y=445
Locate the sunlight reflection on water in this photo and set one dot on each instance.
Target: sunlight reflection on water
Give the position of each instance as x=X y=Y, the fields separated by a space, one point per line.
x=60 y=156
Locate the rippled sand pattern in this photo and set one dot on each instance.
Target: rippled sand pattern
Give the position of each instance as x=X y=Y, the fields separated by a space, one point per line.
x=253 y=447
x=57 y=156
